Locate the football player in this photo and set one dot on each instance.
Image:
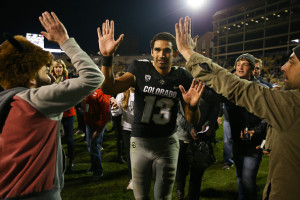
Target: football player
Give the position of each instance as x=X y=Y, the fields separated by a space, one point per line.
x=158 y=89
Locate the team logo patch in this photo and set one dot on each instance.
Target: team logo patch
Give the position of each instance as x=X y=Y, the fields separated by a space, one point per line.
x=147 y=78
x=133 y=145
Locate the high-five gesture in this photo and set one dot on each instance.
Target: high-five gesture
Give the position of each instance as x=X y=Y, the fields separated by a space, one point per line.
x=55 y=30
x=193 y=95
x=107 y=44
x=185 y=43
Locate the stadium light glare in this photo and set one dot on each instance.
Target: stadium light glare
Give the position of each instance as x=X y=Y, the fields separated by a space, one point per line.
x=195 y=3
x=53 y=50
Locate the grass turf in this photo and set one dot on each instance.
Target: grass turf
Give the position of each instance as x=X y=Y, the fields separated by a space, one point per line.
x=218 y=184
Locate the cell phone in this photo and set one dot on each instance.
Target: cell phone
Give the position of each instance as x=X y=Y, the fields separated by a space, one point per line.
x=203 y=132
x=262 y=146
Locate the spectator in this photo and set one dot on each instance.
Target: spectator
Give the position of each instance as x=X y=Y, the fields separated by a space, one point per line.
x=257 y=72
x=118 y=128
x=31 y=164
x=60 y=73
x=80 y=119
x=248 y=131
x=154 y=146
x=227 y=139
x=96 y=116
x=123 y=106
x=279 y=108
x=191 y=159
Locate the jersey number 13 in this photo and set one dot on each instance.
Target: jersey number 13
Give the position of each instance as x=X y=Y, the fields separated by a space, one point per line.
x=164 y=115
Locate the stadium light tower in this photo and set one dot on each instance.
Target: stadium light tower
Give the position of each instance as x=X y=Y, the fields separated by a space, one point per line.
x=195 y=4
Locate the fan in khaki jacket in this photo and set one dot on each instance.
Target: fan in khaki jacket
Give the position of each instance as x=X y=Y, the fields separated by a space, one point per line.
x=279 y=108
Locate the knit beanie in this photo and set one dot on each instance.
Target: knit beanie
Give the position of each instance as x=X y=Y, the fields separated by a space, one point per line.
x=250 y=58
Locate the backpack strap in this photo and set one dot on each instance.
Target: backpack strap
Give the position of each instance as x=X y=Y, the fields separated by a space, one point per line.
x=6 y=97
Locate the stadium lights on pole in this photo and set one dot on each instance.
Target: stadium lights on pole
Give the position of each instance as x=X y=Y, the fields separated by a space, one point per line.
x=196 y=3
x=296 y=40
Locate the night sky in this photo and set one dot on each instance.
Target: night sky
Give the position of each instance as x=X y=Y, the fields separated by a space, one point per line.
x=143 y=18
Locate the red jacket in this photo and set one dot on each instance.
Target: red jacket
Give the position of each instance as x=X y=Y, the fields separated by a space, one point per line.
x=97 y=109
x=69 y=113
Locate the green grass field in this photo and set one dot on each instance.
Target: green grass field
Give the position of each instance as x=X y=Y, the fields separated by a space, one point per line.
x=217 y=183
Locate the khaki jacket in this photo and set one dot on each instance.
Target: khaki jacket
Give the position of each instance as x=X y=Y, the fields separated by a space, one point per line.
x=280 y=109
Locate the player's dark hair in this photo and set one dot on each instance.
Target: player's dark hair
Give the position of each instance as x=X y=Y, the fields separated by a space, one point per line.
x=164 y=36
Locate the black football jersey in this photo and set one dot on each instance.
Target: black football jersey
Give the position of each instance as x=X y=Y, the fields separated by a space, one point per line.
x=156 y=99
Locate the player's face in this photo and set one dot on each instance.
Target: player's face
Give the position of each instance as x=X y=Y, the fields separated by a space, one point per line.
x=162 y=53
x=42 y=77
x=243 y=69
x=291 y=73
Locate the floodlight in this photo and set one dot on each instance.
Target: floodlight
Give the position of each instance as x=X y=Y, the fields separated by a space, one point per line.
x=195 y=3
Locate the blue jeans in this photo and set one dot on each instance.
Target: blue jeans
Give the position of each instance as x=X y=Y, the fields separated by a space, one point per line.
x=227 y=144
x=80 y=119
x=246 y=172
x=94 y=148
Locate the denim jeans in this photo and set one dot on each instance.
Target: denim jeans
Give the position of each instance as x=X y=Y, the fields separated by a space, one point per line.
x=227 y=144
x=80 y=119
x=246 y=172
x=94 y=148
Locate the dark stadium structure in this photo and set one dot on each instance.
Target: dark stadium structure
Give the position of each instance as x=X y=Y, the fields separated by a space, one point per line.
x=268 y=29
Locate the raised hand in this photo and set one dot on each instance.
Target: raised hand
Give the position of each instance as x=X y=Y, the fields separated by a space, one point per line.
x=185 y=43
x=107 y=44
x=55 y=30
x=193 y=95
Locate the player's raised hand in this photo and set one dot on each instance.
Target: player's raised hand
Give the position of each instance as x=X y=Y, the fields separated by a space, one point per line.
x=107 y=44
x=193 y=95
x=55 y=30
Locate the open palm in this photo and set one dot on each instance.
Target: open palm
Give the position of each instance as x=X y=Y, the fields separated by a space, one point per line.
x=107 y=44
x=193 y=95
x=55 y=30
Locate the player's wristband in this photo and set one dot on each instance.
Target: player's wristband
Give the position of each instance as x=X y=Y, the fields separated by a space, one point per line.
x=107 y=61
x=193 y=108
